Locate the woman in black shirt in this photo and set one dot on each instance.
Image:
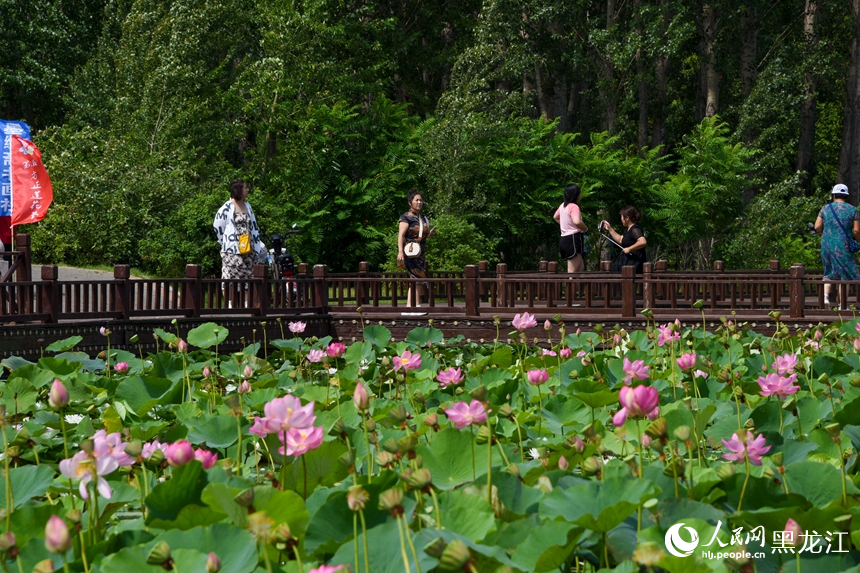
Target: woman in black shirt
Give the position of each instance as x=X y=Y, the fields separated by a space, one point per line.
x=632 y=241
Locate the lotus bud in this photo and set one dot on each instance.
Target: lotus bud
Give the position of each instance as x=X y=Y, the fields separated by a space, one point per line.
x=646 y=441
x=390 y=445
x=157 y=457
x=372 y=438
x=563 y=463
x=134 y=448
x=45 y=566
x=360 y=397
x=182 y=346
x=794 y=532
x=391 y=500
x=682 y=433
x=213 y=564
x=454 y=557
x=337 y=428
x=207 y=372
x=159 y=554
x=58 y=396
x=356 y=498
x=245 y=498
x=7 y=542
x=544 y=484
x=598 y=328
x=590 y=466
x=244 y=387
x=179 y=453
x=778 y=458
x=247 y=372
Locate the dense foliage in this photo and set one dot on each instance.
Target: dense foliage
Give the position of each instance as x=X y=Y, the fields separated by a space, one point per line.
x=582 y=454
x=333 y=110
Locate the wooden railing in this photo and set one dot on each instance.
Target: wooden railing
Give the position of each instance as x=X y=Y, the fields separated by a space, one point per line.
x=475 y=291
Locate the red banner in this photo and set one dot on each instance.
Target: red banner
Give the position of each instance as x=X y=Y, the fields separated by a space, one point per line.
x=31 y=187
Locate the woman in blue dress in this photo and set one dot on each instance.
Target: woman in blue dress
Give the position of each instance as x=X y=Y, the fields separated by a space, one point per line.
x=838 y=222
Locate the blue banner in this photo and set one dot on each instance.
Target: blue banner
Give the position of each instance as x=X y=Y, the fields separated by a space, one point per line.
x=8 y=129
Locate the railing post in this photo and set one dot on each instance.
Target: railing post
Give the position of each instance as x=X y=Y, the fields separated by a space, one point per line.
x=360 y=288
x=796 y=292
x=51 y=293
x=321 y=287
x=22 y=245
x=261 y=289
x=647 y=286
x=551 y=287
x=122 y=292
x=774 y=265
x=501 y=269
x=483 y=267
x=628 y=291
x=605 y=266
x=470 y=274
x=192 y=298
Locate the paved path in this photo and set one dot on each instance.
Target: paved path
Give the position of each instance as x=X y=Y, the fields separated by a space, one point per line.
x=75 y=274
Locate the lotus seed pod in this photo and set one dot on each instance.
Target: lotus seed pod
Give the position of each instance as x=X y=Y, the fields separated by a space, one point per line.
x=505 y=411
x=725 y=471
x=134 y=448
x=679 y=468
x=431 y=420
x=833 y=429
x=74 y=515
x=282 y=533
x=435 y=547
x=390 y=446
x=347 y=459
x=384 y=458
x=778 y=458
x=356 y=498
x=391 y=499
x=483 y=435
x=590 y=466
x=454 y=557
x=398 y=414
x=245 y=498
x=420 y=478
x=682 y=433
x=337 y=428
x=159 y=554
x=46 y=566
x=480 y=394
x=370 y=425
x=544 y=484
x=407 y=443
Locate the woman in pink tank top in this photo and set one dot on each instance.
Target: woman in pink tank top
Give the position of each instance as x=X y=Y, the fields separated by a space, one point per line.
x=569 y=219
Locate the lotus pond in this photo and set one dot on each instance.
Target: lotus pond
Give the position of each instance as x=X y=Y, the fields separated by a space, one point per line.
x=667 y=449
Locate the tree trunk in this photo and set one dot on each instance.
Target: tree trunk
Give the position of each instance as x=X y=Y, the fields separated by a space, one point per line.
x=806 y=141
x=749 y=74
x=608 y=92
x=643 y=84
x=709 y=97
x=849 y=157
x=661 y=78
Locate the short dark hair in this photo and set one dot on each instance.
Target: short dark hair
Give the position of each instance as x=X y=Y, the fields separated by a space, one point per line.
x=631 y=213
x=236 y=188
x=412 y=193
x=571 y=194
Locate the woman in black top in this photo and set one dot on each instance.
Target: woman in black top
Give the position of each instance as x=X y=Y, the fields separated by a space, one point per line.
x=632 y=241
x=414 y=228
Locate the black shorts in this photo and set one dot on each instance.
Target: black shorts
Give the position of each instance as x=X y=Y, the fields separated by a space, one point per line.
x=570 y=245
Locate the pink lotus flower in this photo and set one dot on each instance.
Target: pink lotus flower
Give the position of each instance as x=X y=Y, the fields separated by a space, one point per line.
x=565 y=353
x=578 y=445
x=785 y=364
x=857 y=345
x=57 y=536
x=244 y=387
x=463 y=414
x=297 y=327
x=179 y=453
x=327 y=569
x=58 y=396
x=120 y=367
x=700 y=374
x=301 y=440
x=335 y=349
x=667 y=335
x=104 y=331
x=687 y=361
x=639 y=402
x=793 y=531
x=182 y=346
x=524 y=321
x=151 y=447
x=206 y=458
x=316 y=355
x=817 y=336
x=545 y=352
x=360 y=397
x=450 y=376
x=537 y=377
x=635 y=370
x=105 y=444
x=287 y=412
x=259 y=427
x=85 y=468
x=407 y=361
x=774 y=384
x=740 y=448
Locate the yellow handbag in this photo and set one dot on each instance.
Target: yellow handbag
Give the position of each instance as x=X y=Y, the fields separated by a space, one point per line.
x=244 y=244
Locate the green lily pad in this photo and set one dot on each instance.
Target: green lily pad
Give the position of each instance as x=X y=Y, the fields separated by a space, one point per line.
x=64 y=344
x=422 y=336
x=184 y=488
x=598 y=506
x=28 y=482
x=207 y=335
x=377 y=335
